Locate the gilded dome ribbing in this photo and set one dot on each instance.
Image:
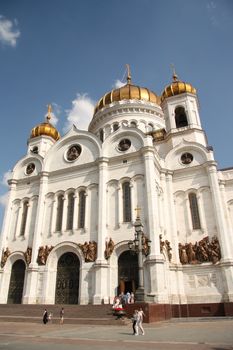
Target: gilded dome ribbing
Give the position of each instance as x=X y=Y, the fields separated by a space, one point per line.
x=46 y=128
x=177 y=87
x=127 y=92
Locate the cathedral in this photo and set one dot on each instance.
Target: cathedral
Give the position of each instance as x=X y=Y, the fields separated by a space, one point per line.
x=136 y=203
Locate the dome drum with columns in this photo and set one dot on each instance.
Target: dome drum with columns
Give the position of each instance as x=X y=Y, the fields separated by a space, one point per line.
x=72 y=200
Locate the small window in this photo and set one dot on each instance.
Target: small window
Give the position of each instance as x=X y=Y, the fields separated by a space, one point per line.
x=115 y=127
x=180 y=117
x=101 y=134
x=124 y=145
x=24 y=218
x=133 y=125
x=70 y=211
x=59 y=212
x=126 y=202
x=30 y=168
x=186 y=158
x=82 y=209
x=194 y=211
x=150 y=127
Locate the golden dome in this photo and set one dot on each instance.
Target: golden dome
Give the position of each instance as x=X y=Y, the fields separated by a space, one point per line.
x=127 y=92
x=177 y=87
x=46 y=128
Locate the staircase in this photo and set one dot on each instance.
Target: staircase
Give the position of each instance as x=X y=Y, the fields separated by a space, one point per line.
x=74 y=314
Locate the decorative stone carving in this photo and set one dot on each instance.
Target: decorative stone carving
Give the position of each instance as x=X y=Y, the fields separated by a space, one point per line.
x=43 y=253
x=202 y=251
x=5 y=255
x=73 y=152
x=28 y=256
x=109 y=246
x=145 y=245
x=165 y=245
x=89 y=251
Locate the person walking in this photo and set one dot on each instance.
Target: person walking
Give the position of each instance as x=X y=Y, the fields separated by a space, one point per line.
x=45 y=316
x=140 y=320
x=134 y=320
x=62 y=315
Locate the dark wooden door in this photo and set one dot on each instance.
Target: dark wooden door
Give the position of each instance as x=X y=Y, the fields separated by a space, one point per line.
x=16 y=283
x=67 y=285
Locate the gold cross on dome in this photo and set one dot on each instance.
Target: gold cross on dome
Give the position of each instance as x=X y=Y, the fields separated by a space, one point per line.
x=174 y=75
x=48 y=117
x=138 y=209
x=128 y=74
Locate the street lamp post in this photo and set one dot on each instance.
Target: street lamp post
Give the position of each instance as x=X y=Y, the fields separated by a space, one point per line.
x=140 y=245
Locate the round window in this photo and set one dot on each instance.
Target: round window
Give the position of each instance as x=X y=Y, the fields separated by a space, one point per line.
x=124 y=145
x=73 y=152
x=186 y=158
x=30 y=168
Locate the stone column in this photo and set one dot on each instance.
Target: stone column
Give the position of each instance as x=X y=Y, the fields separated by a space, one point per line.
x=171 y=229
x=75 y=216
x=28 y=219
x=101 y=267
x=19 y=220
x=155 y=284
x=188 y=214
x=87 y=209
x=54 y=216
x=120 y=206
x=201 y=211
x=8 y=215
x=32 y=271
x=152 y=205
x=219 y=213
x=224 y=234
x=172 y=220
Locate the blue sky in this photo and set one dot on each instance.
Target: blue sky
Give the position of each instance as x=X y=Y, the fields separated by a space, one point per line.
x=70 y=52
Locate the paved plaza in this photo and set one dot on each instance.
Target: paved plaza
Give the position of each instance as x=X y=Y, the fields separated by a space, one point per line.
x=214 y=334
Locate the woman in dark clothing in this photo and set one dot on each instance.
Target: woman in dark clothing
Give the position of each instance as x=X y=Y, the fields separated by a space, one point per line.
x=45 y=316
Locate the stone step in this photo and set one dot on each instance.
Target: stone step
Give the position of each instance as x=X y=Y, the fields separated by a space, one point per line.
x=74 y=314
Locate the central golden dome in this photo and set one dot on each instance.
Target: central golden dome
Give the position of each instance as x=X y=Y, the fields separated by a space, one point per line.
x=127 y=92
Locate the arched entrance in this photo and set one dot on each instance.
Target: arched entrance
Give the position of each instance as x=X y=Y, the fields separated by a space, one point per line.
x=67 y=285
x=16 y=282
x=127 y=272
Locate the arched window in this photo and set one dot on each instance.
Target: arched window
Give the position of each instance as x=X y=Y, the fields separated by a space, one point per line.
x=115 y=127
x=24 y=218
x=150 y=127
x=70 y=211
x=133 y=125
x=180 y=117
x=101 y=133
x=194 y=211
x=82 y=208
x=126 y=202
x=59 y=212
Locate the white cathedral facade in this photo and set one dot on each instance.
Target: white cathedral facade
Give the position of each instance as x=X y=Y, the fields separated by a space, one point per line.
x=72 y=200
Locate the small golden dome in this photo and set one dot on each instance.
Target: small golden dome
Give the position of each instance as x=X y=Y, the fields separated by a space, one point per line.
x=46 y=128
x=177 y=87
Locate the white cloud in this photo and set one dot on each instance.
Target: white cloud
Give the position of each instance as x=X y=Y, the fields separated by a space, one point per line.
x=4 y=199
x=118 y=84
x=6 y=176
x=81 y=112
x=212 y=12
x=9 y=33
